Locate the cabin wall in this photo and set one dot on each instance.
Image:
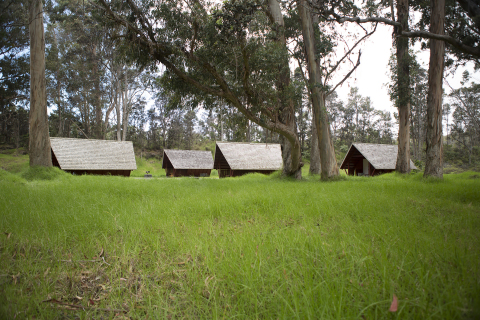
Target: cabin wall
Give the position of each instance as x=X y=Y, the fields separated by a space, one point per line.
x=223 y=173
x=188 y=172
x=125 y=173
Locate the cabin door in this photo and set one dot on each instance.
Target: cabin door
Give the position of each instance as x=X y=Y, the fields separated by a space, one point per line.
x=366 y=166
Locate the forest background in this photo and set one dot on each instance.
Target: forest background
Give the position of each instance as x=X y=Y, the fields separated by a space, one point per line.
x=96 y=90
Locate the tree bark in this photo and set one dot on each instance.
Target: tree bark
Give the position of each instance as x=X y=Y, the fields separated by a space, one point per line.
x=403 y=83
x=118 y=100
x=125 y=109
x=329 y=167
x=291 y=149
x=434 y=160
x=58 y=93
x=39 y=139
x=315 y=165
x=59 y=104
x=98 y=105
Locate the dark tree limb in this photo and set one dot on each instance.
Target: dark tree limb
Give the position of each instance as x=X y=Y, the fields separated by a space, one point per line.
x=329 y=73
x=347 y=76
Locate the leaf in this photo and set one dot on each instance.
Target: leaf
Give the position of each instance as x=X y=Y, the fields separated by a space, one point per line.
x=91 y=302
x=394 y=305
x=46 y=272
x=8 y=234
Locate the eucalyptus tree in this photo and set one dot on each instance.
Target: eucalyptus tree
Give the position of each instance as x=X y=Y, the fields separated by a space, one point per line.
x=14 y=68
x=403 y=86
x=39 y=139
x=75 y=52
x=466 y=120
x=14 y=40
x=454 y=23
x=235 y=52
x=418 y=82
x=434 y=153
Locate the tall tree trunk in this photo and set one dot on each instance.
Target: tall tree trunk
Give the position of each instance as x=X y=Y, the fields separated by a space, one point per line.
x=315 y=165
x=59 y=87
x=113 y=102
x=59 y=105
x=291 y=149
x=403 y=74
x=17 y=131
x=329 y=167
x=434 y=161
x=125 y=109
x=291 y=154
x=98 y=104
x=221 y=123
x=118 y=100
x=39 y=139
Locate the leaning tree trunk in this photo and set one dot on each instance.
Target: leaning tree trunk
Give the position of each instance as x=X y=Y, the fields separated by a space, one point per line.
x=329 y=167
x=434 y=159
x=39 y=140
x=315 y=165
x=403 y=83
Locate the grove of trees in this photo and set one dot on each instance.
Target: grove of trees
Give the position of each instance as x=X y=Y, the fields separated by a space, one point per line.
x=184 y=73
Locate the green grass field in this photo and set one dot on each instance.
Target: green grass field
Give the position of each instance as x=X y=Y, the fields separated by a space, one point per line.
x=253 y=247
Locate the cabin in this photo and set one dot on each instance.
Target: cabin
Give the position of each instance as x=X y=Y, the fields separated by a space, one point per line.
x=369 y=159
x=90 y=156
x=233 y=159
x=187 y=163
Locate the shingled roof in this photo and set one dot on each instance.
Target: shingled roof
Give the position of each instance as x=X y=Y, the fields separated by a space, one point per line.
x=188 y=159
x=251 y=156
x=90 y=154
x=380 y=156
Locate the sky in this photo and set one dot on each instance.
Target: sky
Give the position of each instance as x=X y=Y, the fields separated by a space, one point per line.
x=372 y=75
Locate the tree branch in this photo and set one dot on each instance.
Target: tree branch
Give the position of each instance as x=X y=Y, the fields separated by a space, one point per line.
x=346 y=77
x=475 y=51
x=327 y=76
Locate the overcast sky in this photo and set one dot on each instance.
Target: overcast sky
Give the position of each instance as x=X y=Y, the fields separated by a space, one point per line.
x=373 y=72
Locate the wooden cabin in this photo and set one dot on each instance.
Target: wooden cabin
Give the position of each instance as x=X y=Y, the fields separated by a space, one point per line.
x=187 y=163
x=233 y=159
x=369 y=159
x=90 y=156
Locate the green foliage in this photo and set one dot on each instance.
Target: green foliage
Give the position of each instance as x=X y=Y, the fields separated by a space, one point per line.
x=250 y=247
x=460 y=24
x=464 y=128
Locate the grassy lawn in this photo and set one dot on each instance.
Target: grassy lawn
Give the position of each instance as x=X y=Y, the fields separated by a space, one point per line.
x=251 y=247
x=153 y=165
